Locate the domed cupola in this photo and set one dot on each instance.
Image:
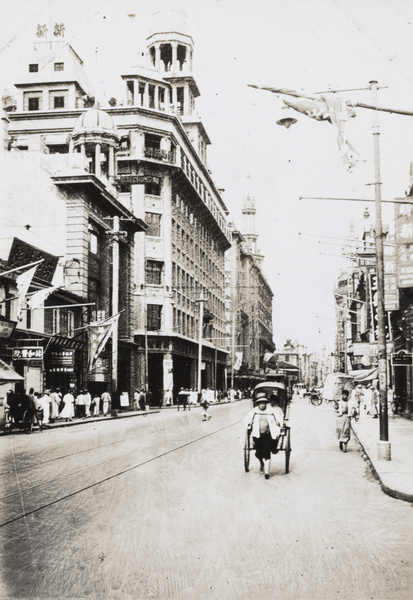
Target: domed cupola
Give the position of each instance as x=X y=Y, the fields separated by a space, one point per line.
x=96 y=137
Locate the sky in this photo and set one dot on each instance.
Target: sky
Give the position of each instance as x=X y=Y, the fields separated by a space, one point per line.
x=308 y=46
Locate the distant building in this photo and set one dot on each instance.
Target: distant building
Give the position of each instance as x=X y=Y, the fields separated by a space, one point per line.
x=249 y=306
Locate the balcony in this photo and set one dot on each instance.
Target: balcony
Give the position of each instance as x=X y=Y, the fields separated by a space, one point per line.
x=158 y=154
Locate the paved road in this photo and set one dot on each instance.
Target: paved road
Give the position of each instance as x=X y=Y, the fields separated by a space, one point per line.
x=160 y=507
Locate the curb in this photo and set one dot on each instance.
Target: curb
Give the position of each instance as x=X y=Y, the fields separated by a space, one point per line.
x=386 y=489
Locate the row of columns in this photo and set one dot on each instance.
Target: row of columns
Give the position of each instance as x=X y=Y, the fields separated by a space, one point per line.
x=110 y=157
x=174 y=67
x=171 y=97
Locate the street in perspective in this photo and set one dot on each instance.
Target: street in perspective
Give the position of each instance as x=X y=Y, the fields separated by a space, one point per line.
x=160 y=506
x=206 y=300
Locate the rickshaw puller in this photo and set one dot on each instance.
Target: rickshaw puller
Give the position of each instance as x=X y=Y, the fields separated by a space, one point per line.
x=265 y=422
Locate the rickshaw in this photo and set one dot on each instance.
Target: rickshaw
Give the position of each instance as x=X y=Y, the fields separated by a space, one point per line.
x=276 y=393
x=24 y=421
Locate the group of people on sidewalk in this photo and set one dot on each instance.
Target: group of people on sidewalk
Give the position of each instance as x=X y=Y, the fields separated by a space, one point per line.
x=52 y=405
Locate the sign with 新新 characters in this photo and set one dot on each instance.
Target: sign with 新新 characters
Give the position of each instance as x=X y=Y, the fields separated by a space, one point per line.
x=28 y=353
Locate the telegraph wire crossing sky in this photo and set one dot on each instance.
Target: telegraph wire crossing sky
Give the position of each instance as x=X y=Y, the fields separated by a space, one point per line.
x=305 y=46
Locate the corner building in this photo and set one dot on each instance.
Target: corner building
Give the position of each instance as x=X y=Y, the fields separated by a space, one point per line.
x=154 y=163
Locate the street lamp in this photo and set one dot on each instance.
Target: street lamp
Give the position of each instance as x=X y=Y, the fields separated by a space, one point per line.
x=384 y=448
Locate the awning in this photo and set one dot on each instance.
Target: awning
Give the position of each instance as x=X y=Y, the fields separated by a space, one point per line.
x=286 y=366
x=7 y=373
x=365 y=375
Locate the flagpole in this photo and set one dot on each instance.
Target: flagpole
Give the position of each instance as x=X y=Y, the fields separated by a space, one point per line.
x=36 y=262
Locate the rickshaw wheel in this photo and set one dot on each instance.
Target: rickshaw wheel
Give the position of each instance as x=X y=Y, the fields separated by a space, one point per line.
x=28 y=422
x=247 y=451
x=316 y=400
x=287 y=446
x=8 y=424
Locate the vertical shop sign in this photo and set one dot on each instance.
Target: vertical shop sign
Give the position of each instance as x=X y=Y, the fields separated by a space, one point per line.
x=404 y=242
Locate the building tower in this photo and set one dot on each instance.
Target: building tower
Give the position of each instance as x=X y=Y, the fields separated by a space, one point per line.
x=96 y=138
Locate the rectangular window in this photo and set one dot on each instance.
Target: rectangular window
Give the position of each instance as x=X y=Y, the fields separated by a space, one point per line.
x=153 y=188
x=58 y=98
x=151 y=96
x=55 y=321
x=93 y=243
x=154 y=317
x=130 y=87
x=153 y=221
x=34 y=104
x=153 y=272
x=28 y=318
x=59 y=102
x=33 y=68
x=59 y=66
x=70 y=323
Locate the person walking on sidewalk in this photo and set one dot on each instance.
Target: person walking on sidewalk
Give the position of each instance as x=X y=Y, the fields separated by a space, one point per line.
x=68 y=410
x=88 y=402
x=343 y=429
x=375 y=403
x=95 y=406
x=80 y=405
x=106 y=400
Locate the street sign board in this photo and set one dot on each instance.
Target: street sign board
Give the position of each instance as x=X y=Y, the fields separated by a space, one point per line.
x=28 y=353
x=402 y=359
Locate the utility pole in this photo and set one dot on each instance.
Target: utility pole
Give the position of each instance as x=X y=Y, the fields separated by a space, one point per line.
x=115 y=300
x=384 y=450
x=201 y=323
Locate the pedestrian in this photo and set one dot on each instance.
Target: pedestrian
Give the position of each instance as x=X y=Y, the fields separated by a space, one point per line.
x=142 y=400
x=80 y=405
x=148 y=399
x=106 y=400
x=365 y=407
x=68 y=410
x=204 y=404
x=88 y=402
x=54 y=405
x=343 y=428
x=168 y=397
x=44 y=404
x=265 y=431
x=95 y=406
x=136 y=400
x=183 y=397
x=39 y=410
x=375 y=403
x=390 y=402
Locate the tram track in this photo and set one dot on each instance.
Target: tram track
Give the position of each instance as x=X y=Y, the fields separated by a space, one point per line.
x=25 y=497
x=72 y=454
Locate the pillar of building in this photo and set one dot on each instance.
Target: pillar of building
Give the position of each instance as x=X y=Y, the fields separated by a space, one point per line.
x=97 y=160
x=186 y=109
x=174 y=56
x=158 y=57
x=111 y=165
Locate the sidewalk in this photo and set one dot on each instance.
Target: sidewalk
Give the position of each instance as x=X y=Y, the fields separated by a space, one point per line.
x=395 y=475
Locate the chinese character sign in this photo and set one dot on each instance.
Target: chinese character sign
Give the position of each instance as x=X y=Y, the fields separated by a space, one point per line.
x=404 y=242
